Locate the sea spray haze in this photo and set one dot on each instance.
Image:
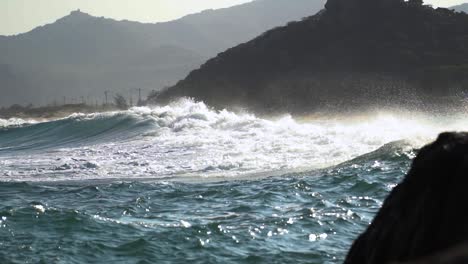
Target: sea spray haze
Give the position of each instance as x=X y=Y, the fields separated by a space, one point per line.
x=186 y=182
x=188 y=139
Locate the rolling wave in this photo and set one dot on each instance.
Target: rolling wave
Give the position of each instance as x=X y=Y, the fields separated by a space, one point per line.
x=189 y=139
x=73 y=131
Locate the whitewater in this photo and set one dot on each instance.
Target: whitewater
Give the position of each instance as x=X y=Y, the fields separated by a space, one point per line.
x=185 y=182
x=188 y=139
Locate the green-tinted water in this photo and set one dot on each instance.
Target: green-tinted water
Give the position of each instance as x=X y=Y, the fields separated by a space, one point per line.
x=77 y=190
x=307 y=218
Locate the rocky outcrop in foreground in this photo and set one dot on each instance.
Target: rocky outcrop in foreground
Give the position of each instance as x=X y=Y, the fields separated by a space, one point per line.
x=424 y=219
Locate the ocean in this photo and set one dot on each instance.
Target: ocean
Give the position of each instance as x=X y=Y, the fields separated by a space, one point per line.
x=186 y=183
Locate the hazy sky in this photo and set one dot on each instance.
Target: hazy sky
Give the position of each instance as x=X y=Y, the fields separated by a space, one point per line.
x=18 y=16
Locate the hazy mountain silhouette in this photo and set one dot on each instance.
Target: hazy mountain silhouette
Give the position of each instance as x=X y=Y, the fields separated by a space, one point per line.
x=461 y=8
x=81 y=55
x=354 y=54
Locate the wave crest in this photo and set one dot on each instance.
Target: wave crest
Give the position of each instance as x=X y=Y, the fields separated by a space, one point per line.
x=189 y=139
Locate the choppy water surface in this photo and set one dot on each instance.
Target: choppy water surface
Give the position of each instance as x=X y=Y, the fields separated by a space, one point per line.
x=185 y=183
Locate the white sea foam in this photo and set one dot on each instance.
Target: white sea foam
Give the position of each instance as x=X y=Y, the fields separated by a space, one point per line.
x=188 y=138
x=12 y=122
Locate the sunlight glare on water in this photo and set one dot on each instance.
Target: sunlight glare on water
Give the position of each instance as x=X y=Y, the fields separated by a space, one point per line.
x=184 y=181
x=189 y=139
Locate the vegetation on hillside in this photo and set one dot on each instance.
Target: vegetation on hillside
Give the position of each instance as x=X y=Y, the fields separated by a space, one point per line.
x=354 y=54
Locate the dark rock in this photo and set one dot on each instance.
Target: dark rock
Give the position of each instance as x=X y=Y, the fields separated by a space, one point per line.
x=426 y=213
x=456 y=255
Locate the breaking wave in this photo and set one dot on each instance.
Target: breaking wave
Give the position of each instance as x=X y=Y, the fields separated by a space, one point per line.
x=189 y=139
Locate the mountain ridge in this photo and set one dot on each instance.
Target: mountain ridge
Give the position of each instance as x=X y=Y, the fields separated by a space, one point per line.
x=461 y=8
x=352 y=55
x=82 y=55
